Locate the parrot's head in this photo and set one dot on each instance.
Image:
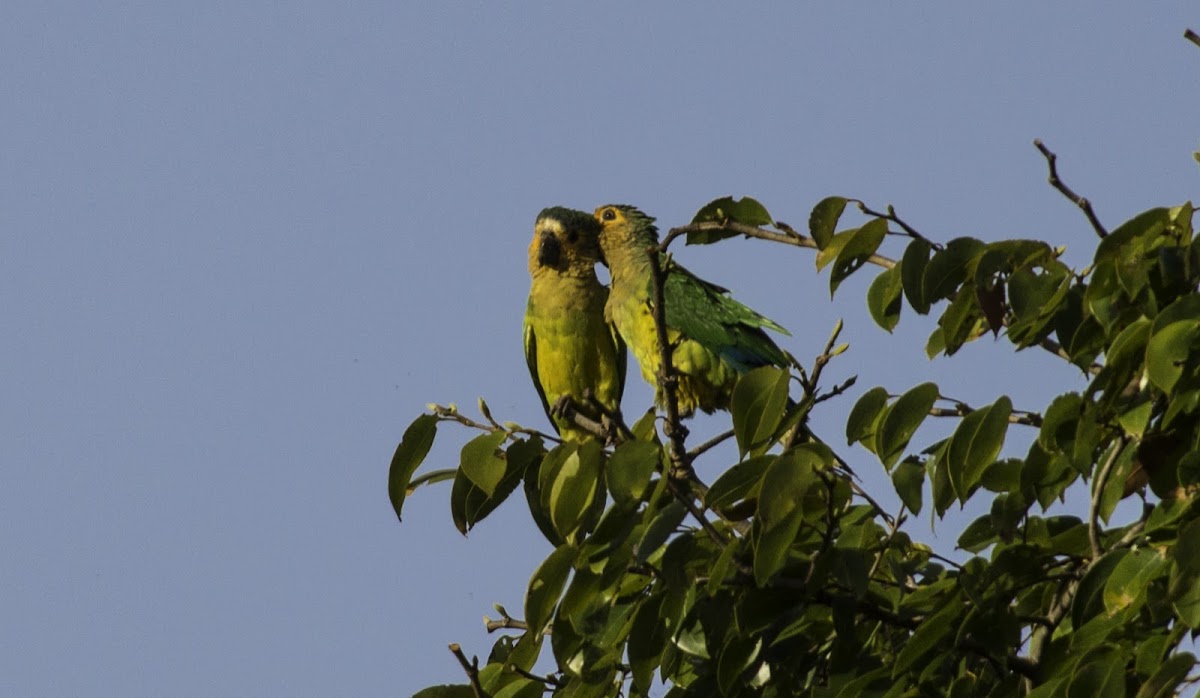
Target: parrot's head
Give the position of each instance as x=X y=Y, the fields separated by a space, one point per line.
x=565 y=241
x=624 y=228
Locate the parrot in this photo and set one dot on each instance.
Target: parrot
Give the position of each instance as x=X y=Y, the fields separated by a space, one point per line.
x=716 y=338
x=571 y=350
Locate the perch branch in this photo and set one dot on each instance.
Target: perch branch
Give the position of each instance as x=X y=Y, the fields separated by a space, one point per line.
x=472 y=669
x=1083 y=204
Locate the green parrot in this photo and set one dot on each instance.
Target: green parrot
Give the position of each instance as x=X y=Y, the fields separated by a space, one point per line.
x=717 y=338
x=569 y=346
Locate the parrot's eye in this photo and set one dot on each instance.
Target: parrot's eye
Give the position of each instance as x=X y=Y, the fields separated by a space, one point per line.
x=609 y=215
x=572 y=236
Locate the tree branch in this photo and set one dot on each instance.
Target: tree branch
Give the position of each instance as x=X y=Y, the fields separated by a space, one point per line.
x=1192 y=36
x=668 y=379
x=1083 y=204
x=451 y=414
x=711 y=443
x=1097 y=492
x=890 y=215
x=472 y=669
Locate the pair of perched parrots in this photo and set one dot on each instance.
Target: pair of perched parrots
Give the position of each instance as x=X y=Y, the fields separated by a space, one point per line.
x=576 y=330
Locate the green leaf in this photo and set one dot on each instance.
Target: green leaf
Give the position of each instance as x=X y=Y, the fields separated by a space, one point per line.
x=574 y=488
x=912 y=274
x=446 y=691
x=469 y=504
x=1003 y=475
x=948 y=268
x=661 y=527
x=781 y=509
x=1186 y=552
x=909 y=481
x=521 y=688
x=1089 y=597
x=883 y=298
x=836 y=244
x=737 y=483
x=1127 y=584
x=975 y=444
x=720 y=569
x=1164 y=682
x=901 y=420
x=1104 y=678
x=1035 y=299
x=546 y=586
x=936 y=343
x=644 y=428
x=927 y=636
x=646 y=641
x=939 y=478
x=1147 y=225
x=854 y=254
x=736 y=657
x=1057 y=432
x=480 y=462
x=1167 y=351
x=978 y=535
x=959 y=321
x=864 y=416
x=758 y=401
x=823 y=219
x=1186 y=603
x=746 y=211
x=629 y=469
x=413 y=448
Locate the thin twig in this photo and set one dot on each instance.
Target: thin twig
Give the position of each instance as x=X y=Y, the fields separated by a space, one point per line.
x=548 y=679
x=668 y=378
x=1083 y=204
x=472 y=669
x=711 y=443
x=890 y=215
x=1192 y=36
x=698 y=514
x=790 y=238
x=837 y=390
x=1097 y=492
x=451 y=414
x=1029 y=419
x=893 y=528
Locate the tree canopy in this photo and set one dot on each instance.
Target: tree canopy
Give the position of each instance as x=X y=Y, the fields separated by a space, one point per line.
x=784 y=576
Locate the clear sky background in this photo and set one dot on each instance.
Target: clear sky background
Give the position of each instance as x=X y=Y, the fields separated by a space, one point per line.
x=243 y=244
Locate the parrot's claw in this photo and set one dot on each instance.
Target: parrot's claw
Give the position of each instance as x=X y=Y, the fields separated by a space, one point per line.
x=563 y=408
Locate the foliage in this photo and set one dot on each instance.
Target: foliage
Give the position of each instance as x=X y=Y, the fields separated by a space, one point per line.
x=784 y=577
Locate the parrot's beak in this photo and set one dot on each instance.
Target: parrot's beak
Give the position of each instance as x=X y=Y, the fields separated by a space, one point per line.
x=549 y=251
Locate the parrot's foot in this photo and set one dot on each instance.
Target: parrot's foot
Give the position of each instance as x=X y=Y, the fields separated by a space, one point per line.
x=563 y=408
x=612 y=431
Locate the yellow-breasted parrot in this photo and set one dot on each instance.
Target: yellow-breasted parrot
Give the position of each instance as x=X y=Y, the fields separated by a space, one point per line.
x=717 y=338
x=569 y=346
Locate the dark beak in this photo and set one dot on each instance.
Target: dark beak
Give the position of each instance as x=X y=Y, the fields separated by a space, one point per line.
x=549 y=250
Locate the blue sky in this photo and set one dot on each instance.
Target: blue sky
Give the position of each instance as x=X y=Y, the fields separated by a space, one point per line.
x=243 y=244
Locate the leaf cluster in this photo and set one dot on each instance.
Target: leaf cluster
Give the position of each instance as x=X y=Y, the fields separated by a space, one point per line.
x=784 y=577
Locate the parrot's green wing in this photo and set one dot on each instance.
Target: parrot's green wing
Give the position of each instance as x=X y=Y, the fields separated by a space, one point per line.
x=531 y=360
x=707 y=313
x=622 y=361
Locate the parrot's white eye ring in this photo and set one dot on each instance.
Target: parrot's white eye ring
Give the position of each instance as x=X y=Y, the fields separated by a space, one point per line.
x=609 y=214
